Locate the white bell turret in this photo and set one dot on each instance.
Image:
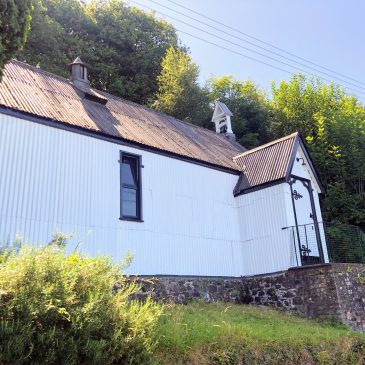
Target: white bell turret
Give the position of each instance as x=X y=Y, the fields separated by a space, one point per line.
x=222 y=120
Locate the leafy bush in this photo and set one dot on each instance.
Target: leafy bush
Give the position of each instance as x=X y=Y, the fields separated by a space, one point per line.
x=59 y=308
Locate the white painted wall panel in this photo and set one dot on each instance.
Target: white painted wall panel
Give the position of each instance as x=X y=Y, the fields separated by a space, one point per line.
x=52 y=179
x=57 y=180
x=263 y=214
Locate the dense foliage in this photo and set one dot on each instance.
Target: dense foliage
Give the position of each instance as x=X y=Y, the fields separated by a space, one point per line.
x=57 y=308
x=14 y=25
x=123 y=46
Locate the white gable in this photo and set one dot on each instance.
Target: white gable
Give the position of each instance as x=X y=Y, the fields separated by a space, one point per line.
x=302 y=168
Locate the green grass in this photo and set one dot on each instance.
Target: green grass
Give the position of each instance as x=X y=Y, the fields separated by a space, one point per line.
x=226 y=334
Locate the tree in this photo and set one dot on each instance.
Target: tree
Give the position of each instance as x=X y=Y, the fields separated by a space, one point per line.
x=179 y=93
x=122 y=46
x=251 y=112
x=333 y=125
x=48 y=43
x=296 y=102
x=134 y=44
x=14 y=25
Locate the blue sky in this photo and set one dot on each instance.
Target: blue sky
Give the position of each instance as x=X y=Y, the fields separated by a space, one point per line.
x=327 y=32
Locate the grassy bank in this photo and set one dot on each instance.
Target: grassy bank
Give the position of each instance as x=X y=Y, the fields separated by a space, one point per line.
x=230 y=334
x=59 y=308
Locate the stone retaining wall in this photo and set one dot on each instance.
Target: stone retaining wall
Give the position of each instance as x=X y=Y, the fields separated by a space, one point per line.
x=332 y=291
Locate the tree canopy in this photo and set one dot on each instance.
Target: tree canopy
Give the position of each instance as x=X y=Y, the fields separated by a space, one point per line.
x=122 y=46
x=14 y=26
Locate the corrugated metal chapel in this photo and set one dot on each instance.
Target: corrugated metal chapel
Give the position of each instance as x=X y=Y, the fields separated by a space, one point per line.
x=124 y=178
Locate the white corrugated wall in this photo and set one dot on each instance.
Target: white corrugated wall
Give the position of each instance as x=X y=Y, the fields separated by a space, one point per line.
x=53 y=179
x=263 y=215
x=57 y=180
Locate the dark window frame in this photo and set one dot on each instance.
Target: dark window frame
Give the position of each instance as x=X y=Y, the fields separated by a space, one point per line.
x=138 y=158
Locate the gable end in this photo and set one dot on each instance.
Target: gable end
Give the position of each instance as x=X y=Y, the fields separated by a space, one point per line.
x=273 y=163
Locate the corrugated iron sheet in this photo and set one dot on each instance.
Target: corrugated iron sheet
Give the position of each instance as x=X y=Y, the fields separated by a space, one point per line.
x=32 y=90
x=266 y=163
x=52 y=180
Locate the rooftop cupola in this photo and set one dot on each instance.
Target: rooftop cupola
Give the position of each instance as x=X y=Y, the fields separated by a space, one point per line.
x=222 y=120
x=79 y=79
x=78 y=72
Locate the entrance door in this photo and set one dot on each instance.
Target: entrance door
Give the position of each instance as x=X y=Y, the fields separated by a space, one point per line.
x=307 y=237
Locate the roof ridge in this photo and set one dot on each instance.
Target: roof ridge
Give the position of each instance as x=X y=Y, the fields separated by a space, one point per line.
x=163 y=114
x=40 y=70
x=154 y=111
x=61 y=78
x=266 y=145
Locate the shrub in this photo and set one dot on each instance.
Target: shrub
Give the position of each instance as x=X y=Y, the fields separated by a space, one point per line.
x=59 y=308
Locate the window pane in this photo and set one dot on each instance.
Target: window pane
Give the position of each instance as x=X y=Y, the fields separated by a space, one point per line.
x=129 y=202
x=129 y=171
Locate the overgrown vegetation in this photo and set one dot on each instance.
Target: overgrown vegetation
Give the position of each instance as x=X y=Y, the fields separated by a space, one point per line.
x=223 y=334
x=59 y=308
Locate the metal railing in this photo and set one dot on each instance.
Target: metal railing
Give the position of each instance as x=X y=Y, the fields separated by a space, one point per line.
x=306 y=244
x=343 y=243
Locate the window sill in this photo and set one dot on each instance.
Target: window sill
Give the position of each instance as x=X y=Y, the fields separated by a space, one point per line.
x=130 y=219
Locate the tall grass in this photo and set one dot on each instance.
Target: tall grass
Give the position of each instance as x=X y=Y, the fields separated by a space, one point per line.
x=222 y=334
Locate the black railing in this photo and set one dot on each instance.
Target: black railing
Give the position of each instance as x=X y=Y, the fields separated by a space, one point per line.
x=343 y=243
x=306 y=240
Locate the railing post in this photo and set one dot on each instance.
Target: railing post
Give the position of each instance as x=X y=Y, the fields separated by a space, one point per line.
x=295 y=247
x=306 y=237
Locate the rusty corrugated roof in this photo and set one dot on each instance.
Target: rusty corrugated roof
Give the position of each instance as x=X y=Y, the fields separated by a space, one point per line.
x=267 y=163
x=29 y=89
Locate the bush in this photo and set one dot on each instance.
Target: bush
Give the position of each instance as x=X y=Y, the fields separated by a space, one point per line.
x=59 y=308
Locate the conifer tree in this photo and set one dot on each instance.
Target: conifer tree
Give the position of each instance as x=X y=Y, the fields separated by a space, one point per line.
x=179 y=93
x=14 y=26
